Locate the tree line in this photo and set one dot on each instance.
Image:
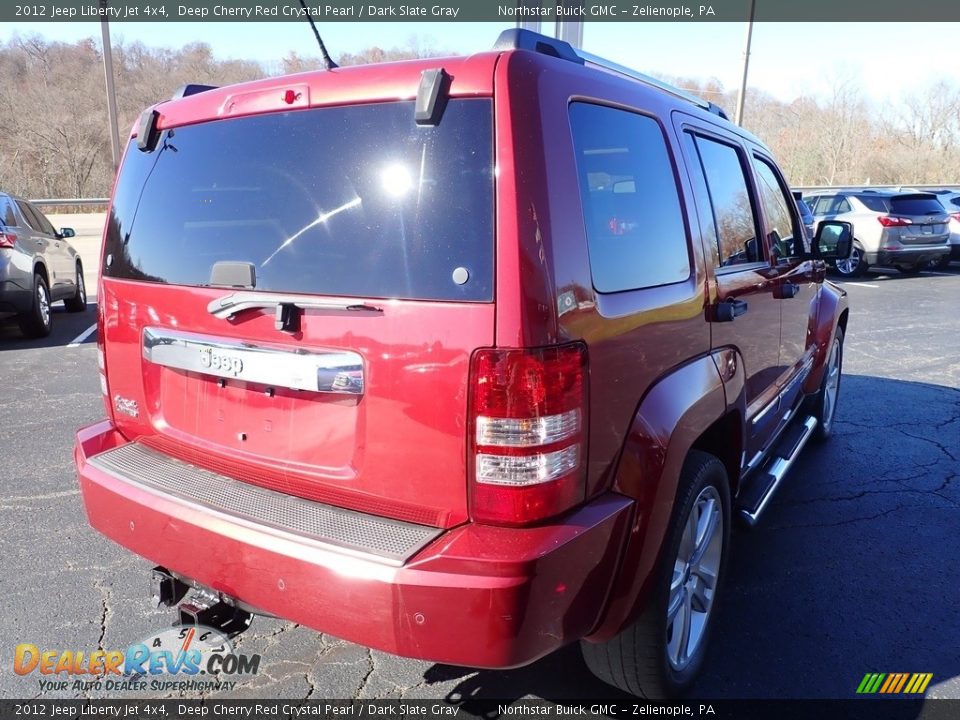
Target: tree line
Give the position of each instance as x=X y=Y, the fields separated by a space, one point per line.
x=55 y=142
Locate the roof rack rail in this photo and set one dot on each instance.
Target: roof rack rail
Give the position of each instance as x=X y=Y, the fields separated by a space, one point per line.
x=521 y=39
x=191 y=89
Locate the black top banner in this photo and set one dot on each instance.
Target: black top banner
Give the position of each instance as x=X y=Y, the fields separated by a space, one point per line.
x=489 y=11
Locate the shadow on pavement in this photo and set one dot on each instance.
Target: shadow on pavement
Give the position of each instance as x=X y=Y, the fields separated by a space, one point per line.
x=853 y=569
x=66 y=328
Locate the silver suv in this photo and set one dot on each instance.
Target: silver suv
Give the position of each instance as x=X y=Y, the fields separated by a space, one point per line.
x=904 y=229
x=950 y=199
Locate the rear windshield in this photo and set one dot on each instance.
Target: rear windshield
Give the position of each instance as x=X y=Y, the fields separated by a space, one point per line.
x=354 y=201
x=916 y=205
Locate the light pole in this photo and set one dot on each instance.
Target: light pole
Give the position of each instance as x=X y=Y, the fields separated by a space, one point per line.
x=111 y=90
x=741 y=98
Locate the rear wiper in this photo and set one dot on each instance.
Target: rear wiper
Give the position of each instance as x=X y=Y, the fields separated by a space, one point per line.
x=228 y=306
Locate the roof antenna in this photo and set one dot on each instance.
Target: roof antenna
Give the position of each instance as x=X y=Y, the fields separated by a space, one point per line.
x=328 y=63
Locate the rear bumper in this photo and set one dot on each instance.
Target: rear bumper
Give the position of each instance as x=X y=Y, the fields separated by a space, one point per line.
x=908 y=255
x=477 y=596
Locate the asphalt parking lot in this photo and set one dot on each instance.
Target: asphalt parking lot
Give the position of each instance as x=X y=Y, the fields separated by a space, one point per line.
x=852 y=570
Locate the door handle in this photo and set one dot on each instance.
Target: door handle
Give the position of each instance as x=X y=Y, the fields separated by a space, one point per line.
x=728 y=310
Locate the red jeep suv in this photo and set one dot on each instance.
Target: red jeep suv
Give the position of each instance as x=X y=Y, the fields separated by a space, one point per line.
x=463 y=359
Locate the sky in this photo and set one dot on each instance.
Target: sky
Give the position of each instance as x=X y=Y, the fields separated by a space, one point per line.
x=889 y=60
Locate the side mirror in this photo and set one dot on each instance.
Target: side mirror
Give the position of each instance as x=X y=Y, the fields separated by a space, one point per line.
x=67 y=233
x=833 y=240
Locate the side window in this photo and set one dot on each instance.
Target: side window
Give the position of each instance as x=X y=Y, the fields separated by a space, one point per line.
x=877 y=204
x=28 y=215
x=782 y=229
x=45 y=225
x=818 y=205
x=732 y=208
x=636 y=236
x=839 y=205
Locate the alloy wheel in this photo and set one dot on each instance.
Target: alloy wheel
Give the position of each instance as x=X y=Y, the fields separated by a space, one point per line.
x=694 y=581
x=851 y=264
x=43 y=303
x=831 y=385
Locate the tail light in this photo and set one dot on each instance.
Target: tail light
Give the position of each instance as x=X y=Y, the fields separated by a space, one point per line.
x=527 y=433
x=894 y=221
x=955 y=216
x=102 y=358
x=7 y=239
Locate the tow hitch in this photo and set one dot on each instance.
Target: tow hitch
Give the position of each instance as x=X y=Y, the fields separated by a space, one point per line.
x=197 y=605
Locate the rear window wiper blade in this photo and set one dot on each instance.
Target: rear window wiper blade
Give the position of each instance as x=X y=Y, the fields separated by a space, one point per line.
x=228 y=306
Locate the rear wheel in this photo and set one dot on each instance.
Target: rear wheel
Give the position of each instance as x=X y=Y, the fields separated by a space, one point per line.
x=77 y=303
x=661 y=654
x=37 y=321
x=854 y=266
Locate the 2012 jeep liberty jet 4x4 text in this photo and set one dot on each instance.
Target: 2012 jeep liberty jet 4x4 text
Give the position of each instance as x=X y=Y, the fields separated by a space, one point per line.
x=462 y=359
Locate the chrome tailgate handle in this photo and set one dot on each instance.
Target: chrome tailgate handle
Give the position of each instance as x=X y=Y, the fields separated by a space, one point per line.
x=334 y=371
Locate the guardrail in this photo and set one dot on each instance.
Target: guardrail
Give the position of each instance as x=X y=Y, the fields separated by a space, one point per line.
x=902 y=186
x=71 y=201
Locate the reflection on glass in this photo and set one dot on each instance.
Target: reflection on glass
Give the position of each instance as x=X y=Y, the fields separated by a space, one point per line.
x=396 y=180
x=322 y=218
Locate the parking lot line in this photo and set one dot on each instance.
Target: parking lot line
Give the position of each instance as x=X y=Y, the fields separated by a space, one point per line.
x=82 y=336
x=860 y=284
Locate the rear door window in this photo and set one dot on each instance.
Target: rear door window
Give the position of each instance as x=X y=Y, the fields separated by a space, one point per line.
x=636 y=234
x=28 y=215
x=348 y=201
x=45 y=225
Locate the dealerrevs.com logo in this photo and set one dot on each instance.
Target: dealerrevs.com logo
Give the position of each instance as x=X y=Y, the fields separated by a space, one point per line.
x=194 y=658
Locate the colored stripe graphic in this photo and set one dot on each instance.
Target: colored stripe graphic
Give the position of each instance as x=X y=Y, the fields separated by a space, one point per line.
x=894 y=683
x=903 y=680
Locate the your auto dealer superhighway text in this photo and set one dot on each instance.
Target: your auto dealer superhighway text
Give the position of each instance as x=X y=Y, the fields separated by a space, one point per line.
x=318 y=11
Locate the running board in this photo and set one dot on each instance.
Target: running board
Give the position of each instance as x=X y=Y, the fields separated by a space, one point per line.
x=755 y=497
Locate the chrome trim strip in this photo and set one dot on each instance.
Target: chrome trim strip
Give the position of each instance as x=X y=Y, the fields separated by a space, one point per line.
x=339 y=372
x=774 y=403
x=229 y=305
x=779 y=470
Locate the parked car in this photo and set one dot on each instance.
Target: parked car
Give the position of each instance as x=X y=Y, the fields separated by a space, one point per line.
x=905 y=229
x=467 y=377
x=37 y=267
x=950 y=199
x=806 y=216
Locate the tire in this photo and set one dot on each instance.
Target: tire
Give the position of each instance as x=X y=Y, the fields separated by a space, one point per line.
x=643 y=658
x=856 y=266
x=37 y=322
x=823 y=405
x=77 y=303
x=910 y=269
